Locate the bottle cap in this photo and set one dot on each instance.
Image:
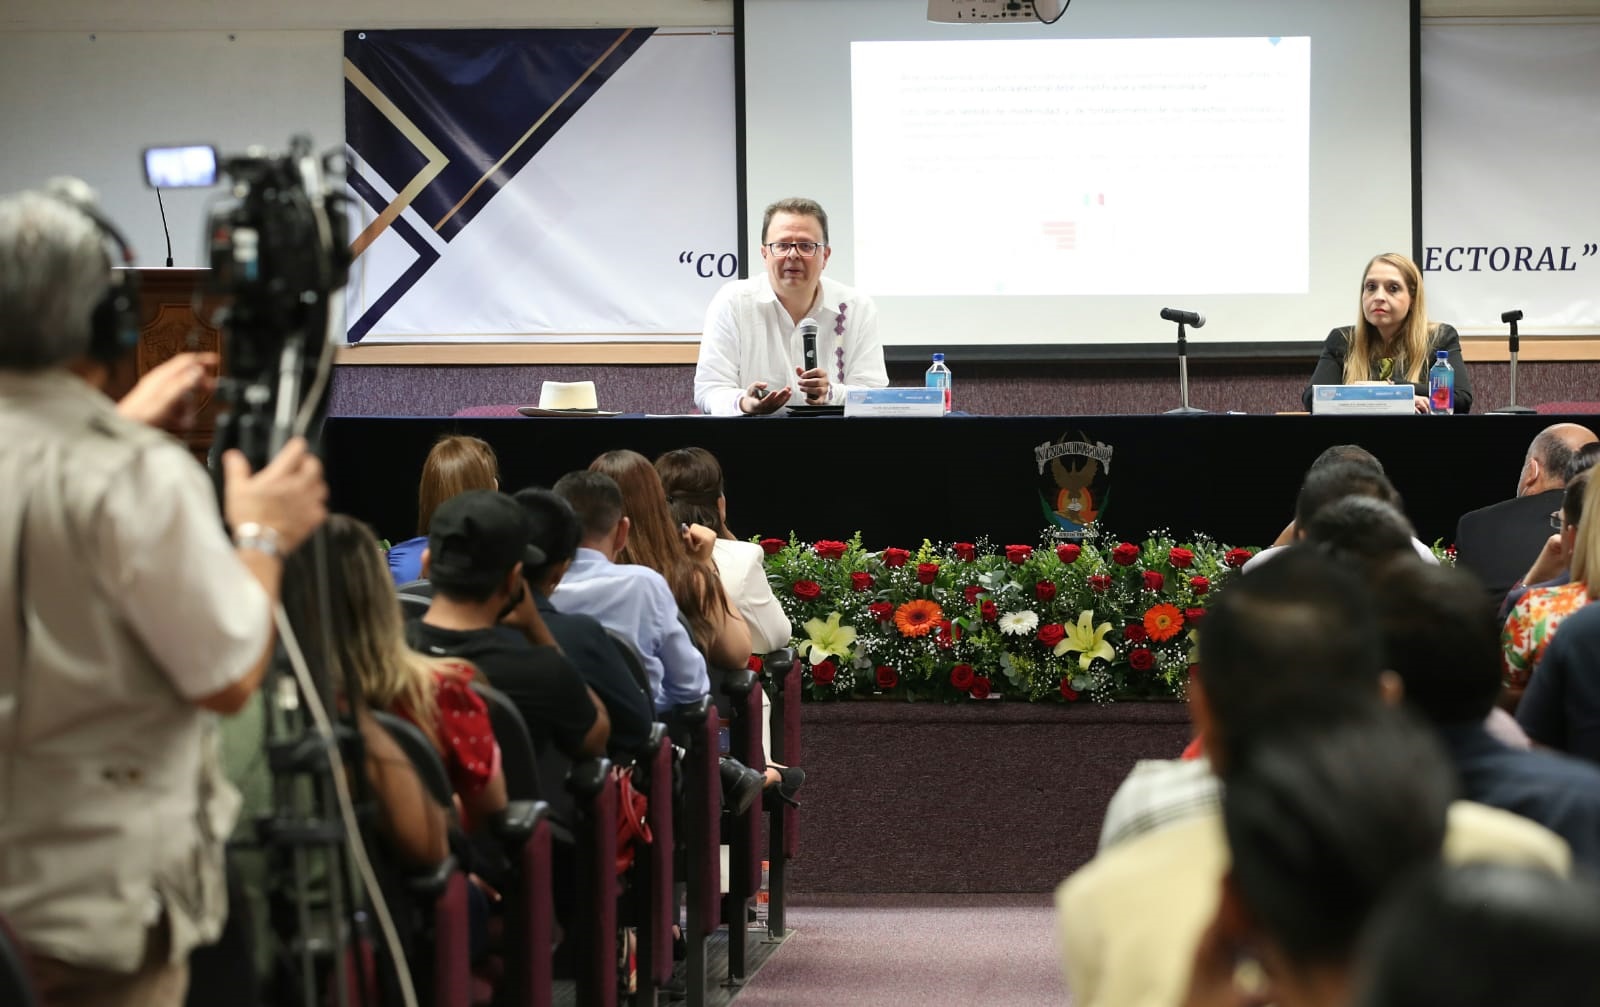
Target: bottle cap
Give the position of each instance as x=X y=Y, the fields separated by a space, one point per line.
x=1442 y=354
x=938 y=358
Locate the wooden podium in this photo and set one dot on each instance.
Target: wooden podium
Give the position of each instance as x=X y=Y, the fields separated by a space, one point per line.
x=169 y=325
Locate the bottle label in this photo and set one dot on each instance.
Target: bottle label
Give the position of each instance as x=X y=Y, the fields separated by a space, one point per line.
x=1442 y=394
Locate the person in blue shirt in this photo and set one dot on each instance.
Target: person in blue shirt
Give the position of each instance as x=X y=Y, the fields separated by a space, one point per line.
x=456 y=464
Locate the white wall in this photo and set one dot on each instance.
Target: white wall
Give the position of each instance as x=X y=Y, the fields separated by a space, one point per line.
x=88 y=83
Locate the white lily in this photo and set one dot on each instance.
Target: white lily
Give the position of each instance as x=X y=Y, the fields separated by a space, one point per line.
x=1087 y=640
x=827 y=639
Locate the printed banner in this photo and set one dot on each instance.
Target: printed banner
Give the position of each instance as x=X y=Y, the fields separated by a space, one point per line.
x=521 y=185
x=1509 y=148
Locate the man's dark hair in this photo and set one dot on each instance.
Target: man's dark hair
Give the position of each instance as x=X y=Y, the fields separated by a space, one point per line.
x=1288 y=633
x=1583 y=460
x=1484 y=935
x=798 y=205
x=1441 y=636
x=1336 y=480
x=1572 y=497
x=1361 y=531
x=595 y=498
x=1322 y=821
x=1353 y=453
x=553 y=526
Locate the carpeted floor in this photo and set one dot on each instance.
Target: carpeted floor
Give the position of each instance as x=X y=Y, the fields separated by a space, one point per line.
x=935 y=950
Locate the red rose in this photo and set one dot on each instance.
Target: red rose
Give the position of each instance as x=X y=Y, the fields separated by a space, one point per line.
x=927 y=572
x=980 y=687
x=1180 y=558
x=829 y=549
x=895 y=557
x=990 y=611
x=949 y=633
x=1141 y=659
x=1199 y=585
x=1067 y=691
x=1019 y=554
x=807 y=590
x=1125 y=554
x=888 y=678
x=1051 y=634
x=966 y=552
x=860 y=581
x=755 y=663
x=1044 y=590
x=971 y=592
x=1068 y=552
x=881 y=610
x=772 y=545
x=822 y=674
x=961 y=677
x=1135 y=632
x=1237 y=557
x=1192 y=616
x=1450 y=550
x=1100 y=582
x=1153 y=581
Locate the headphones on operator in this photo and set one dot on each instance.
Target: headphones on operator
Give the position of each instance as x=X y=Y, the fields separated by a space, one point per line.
x=114 y=322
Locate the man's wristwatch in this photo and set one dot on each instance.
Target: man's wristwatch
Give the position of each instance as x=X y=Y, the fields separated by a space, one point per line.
x=259 y=537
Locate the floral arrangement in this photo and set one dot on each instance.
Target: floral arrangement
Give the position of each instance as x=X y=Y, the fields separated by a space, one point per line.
x=1095 y=619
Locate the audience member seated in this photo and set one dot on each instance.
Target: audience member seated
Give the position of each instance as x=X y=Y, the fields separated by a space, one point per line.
x=1539 y=611
x=1561 y=706
x=553 y=529
x=1296 y=634
x=1499 y=542
x=1552 y=567
x=1439 y=636
x=436 y=695
x=1483 y=935
x=635 y=602
x=1320 y=829
x=456 y=464
x=483 y=612
x=681 y=555
x=1341 y=471
x=692 y=478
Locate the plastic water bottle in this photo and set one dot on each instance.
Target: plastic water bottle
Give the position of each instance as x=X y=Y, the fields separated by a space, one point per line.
x=1442 y=385
x=938 y=376
x=763 y=897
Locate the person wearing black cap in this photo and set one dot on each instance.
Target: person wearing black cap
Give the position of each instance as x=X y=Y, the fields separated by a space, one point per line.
x=478 y=547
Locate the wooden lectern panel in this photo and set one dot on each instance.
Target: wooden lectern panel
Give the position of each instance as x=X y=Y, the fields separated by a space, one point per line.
x=168 y=325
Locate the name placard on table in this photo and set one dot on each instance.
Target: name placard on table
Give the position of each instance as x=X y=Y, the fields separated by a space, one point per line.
x=1362 y=400
x=894 y=402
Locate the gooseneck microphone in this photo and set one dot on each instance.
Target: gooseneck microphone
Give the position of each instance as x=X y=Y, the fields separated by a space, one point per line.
x=164 y=229
x=1511 y=318
x=808 y=338
x=1193 y=319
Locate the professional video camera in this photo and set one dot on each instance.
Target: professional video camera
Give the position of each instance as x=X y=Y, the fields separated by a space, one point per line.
x=279 y=251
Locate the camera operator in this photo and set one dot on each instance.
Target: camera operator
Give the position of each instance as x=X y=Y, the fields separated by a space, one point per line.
x=125 y=615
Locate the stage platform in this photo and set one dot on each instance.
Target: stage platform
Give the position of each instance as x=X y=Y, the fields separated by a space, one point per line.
x=987 y=796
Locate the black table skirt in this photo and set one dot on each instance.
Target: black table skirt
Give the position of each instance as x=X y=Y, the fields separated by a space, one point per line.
x=959 y=478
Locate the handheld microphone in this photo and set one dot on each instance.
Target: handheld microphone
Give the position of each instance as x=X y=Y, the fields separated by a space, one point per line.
x=808 y=337
x=1511 y=316
x=1193 y=319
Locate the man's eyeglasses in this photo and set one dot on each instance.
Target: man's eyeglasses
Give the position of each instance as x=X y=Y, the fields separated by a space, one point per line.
x=806 y=248
x=1555 y=520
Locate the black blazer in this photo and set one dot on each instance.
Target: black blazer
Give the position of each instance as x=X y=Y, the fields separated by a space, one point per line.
x=1500 y=542
x=1330 y=366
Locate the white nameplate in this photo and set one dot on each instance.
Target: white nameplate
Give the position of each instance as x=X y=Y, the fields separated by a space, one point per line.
x=894 y=402
x=1363 y=400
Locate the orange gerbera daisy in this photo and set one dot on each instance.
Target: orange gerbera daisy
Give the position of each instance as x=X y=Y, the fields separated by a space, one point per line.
x=918 y=617
x=1163 y=622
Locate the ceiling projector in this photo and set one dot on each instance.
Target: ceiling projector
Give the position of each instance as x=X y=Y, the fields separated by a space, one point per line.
x=993 y=11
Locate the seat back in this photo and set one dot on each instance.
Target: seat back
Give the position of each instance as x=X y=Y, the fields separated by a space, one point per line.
x=594 y=932
x=424 y=757
x=415 y=597
x=518 y=758
x=16 y=986
x=631 y=658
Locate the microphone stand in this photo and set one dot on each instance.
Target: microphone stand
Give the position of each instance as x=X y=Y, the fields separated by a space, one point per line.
x=1513 y=409
x=1183 y=377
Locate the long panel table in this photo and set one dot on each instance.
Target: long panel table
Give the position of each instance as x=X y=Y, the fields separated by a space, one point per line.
x=963 y=477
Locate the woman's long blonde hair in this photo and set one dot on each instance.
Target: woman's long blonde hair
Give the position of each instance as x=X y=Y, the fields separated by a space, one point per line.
x=367 y=633
x=1411 y=359
x=1586 y=543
